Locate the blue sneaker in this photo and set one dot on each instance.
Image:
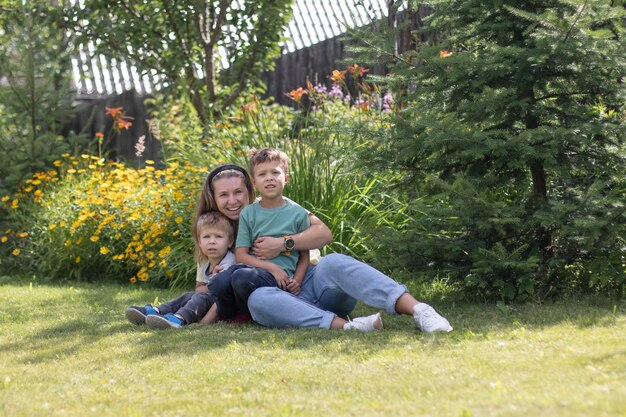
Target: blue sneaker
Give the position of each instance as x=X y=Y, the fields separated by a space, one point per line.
x=137 y=315
x=168 y=321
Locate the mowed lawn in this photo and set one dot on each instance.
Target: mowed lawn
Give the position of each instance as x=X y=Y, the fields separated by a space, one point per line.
x=67 y=350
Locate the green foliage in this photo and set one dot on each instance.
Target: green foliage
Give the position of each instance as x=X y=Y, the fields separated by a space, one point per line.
x=92 y=220
x=35 y=99
x=511 y=142
x=209 y=51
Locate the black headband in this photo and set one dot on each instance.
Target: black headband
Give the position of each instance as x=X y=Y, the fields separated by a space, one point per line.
x=223 y=168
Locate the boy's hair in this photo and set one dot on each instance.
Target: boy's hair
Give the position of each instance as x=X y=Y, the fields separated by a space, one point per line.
x=215 y=219
x=268 y=155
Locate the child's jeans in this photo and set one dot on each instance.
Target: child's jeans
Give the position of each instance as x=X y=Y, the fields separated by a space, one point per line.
x=191 y=306
x=232 y=288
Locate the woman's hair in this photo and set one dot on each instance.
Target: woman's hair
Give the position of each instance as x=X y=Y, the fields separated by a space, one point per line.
x=206 y=200
x=217 y=220
x=259 y=156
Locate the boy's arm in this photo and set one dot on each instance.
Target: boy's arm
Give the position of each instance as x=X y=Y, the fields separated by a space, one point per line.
x=303 y=263
x=243 y=257
x=200 y=284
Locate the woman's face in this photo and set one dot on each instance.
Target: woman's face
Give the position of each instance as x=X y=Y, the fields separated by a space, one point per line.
x=231 y=196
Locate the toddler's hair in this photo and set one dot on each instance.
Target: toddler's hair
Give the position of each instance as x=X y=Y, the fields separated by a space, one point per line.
x=268 y=155
x=215 y=219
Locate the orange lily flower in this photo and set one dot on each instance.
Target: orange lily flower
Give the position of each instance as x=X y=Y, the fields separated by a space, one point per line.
x=123 y=124
x=338 y=76
x=357 y=70
x=296 y=95
x=113 y=111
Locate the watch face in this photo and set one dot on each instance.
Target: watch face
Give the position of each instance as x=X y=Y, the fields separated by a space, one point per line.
x=289 y=243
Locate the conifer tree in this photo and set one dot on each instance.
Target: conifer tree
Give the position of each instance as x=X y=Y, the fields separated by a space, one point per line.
x=511 y=137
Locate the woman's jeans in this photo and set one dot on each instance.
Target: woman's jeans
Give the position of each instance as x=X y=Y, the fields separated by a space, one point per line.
x=191 y=306
x=330 y=288
x=232 y=288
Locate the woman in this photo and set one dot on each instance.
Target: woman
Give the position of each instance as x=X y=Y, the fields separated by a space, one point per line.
x=330 y=289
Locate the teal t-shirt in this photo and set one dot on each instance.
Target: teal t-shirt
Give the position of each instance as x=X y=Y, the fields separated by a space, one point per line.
x=256 y=221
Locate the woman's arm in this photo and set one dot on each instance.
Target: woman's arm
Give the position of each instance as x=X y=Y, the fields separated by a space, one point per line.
x=316 y=236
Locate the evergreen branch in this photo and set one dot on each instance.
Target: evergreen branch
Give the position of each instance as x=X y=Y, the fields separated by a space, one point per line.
x=580 y=12
x=389 y=54
x=575 y=93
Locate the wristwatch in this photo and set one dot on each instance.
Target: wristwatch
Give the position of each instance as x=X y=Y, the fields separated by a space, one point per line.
x=289 y=244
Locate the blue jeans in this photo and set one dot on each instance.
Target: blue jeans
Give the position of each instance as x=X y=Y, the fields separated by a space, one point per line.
x=330 y=288
x=191 y=306
x=232 y=288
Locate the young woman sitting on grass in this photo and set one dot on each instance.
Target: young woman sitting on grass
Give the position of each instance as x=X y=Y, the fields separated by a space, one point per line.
x=330 y=289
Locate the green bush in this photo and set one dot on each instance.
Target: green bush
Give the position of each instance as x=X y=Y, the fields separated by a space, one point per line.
x=94 y=220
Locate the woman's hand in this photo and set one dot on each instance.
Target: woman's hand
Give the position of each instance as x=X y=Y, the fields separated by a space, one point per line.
x=267 y=247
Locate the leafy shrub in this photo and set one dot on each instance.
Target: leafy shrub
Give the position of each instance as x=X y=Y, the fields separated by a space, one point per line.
x=92 y=219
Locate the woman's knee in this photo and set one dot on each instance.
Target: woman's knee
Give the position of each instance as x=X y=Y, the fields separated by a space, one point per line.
x=261 y=298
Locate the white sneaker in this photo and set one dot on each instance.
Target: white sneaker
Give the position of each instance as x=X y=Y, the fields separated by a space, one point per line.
x=365 y=324
x=428 y=320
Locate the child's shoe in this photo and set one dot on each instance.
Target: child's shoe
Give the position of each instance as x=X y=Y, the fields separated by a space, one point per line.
x=428 y=320
x=365 y=324
x=137 y=315
x=168 y=321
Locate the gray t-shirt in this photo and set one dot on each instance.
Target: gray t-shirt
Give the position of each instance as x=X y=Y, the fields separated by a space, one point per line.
x=203 y=274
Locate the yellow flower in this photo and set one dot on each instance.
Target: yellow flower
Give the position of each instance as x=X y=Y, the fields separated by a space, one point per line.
x=77 y=260
x=3 y=239
x=104 y=250
x=94 y=238
x=23 y=234
x=133 y=280
x=15 y=252
x=5 y=198
x=52 y=226
x=178 y=220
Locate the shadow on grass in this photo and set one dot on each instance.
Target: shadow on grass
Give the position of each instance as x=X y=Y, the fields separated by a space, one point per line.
x=79 y=316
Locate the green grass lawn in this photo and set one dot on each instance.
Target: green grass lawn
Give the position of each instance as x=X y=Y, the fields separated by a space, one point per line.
x=69 y=351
